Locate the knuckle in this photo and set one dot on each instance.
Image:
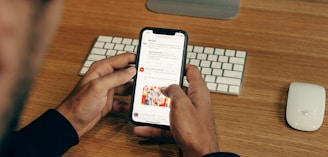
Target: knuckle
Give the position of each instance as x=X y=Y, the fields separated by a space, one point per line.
x=94 y=85
x=95 y=63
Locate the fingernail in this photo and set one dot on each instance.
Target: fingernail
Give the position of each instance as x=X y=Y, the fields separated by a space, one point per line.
x=131 y=70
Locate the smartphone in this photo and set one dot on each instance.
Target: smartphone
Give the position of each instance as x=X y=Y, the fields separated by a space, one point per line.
x=160 y=62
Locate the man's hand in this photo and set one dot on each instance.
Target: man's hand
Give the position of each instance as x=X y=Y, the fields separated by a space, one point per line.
x=191 y=117
x=92 y=98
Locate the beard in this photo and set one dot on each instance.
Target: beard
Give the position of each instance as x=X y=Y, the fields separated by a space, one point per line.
x=25 y=48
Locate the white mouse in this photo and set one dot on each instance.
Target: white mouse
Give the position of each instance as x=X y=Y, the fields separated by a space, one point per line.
x=305 y=106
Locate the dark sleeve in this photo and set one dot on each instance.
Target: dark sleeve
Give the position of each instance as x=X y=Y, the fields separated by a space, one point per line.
x=221 y=154
x=50 y=135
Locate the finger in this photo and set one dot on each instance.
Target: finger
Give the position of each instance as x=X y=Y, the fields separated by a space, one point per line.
x=107 y=66
x=176 y=94
x=197 y=90
x=105 y=85
x=121 y=106
x=117 y=79
x=147 y=131
x=185 y=89
x=193 y=75
x=125 y=89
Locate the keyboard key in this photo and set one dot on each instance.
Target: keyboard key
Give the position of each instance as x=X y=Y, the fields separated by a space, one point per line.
x=98 y=51
x=205 y=64
x=217 y=72
x=209 y=50
x=223 y=59
x=88 y=63
x=190 y=48
x=127 y=41
x=105 y=38
x=211 y=86
x=237 y=67
x=194 y=62
x=84 y=70
x=231 y=81
x=206 y=71
x=99 y=44
x=117 y=40
x=210 y=78
x=236 y=60
x=234 y=89
x=198 y=49
x=94 y=57
x=241 y=54
x=201 y=56
x=129 y=48
x=227 y=66
x=119 y=47
x=111 y=53
x=221 y=69
x=212 y=58
x=187 y=61
x=191 y=55
x=219 y=51
x=135 y=42
x=109 y=45
x=230 y=53
x=216 y=65
x=235 y=74
x=222 y=88
x=185 y=82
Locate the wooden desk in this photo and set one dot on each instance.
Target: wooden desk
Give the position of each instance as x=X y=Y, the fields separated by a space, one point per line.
x=286 y=41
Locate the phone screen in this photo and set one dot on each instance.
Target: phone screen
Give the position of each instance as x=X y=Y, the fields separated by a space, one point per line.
x=160 y=63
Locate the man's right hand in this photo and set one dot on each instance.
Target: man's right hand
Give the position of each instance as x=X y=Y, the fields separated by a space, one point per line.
x=191 y=117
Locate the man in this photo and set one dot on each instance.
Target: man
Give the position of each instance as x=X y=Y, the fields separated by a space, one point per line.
x=26 y=28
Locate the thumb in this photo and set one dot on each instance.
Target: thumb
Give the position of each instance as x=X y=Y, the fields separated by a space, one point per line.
x=176 y=94
x=171 y=90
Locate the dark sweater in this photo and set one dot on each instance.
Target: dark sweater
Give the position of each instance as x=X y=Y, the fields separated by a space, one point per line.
x=52 y=135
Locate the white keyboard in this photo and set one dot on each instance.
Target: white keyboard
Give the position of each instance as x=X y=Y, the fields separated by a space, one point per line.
x=222 y=69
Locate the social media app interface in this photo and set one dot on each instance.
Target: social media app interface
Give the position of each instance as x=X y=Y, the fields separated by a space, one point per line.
x=160 y=62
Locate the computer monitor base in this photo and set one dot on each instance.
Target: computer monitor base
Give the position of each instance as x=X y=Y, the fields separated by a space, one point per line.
x=216 y=9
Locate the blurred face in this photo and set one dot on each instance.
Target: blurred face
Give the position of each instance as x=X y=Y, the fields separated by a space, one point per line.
x=26 y=27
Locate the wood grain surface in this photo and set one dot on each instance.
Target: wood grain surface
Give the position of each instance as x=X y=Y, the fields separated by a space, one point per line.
x=286 y=41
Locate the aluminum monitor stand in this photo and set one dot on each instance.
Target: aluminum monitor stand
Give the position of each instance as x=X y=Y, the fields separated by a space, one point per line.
x=216 y=9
